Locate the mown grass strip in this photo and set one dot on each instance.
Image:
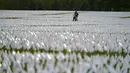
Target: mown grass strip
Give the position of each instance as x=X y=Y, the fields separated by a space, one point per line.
x=65 y=51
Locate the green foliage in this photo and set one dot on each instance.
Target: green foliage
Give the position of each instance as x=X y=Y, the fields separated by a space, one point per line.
x=104 y=65
x=88 y=70
x=10 y=18
x=114 y=66
x=11 y=66
x=77 y=60
x=73 y=61
x=44 y=64
x=0 y=60
x=25 y=67
x=126 y=17
x=56 y=62
x=64 y=51
x=108 y=61
x=35 y=68
x=72 y=70
x=31 y=50
x=100 y=5
x=121 y=66
x=82 y=54
x=128 y=70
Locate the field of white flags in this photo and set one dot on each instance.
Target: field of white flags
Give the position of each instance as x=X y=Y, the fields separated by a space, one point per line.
x=50 y=42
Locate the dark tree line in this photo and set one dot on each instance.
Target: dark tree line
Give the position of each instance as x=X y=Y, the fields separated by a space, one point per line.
x=100 y=5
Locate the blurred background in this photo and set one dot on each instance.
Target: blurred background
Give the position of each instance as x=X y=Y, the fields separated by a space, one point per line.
x=91 y=5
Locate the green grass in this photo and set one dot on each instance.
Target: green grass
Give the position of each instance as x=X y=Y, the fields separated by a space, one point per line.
x=126 y=17
x=65 y=51
x=25 y=67
x=72 y=70
x=44 y=64
x=56 y=62
x=11 y=66
x=10 y=17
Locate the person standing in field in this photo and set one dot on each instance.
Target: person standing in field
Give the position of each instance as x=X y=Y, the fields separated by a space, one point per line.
x=75 y=16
